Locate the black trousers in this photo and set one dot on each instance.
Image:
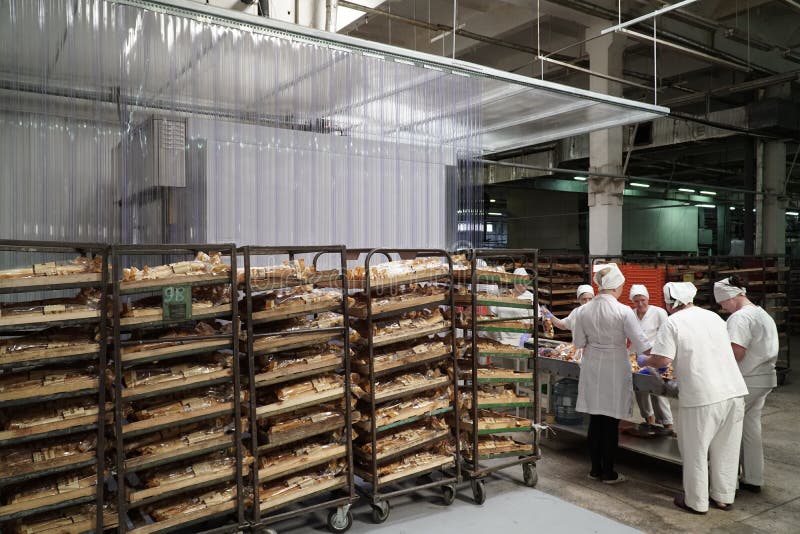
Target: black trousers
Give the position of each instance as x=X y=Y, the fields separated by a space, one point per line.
x=603 y=440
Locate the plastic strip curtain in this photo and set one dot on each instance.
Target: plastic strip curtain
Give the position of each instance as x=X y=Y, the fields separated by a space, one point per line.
x=134 y=124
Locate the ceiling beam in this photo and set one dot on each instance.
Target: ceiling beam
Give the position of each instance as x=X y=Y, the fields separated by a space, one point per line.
x=448 y=29
x=735 y=88
x=676 y=41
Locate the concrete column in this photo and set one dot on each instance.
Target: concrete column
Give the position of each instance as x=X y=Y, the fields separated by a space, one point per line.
x=605 y=151
x=773 y=216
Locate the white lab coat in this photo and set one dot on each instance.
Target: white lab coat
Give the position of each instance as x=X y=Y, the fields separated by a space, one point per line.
x=602 y=328
x=712 y=409
x=501 y=312
x=653 y=405
x=569 y=320
x=752 y=328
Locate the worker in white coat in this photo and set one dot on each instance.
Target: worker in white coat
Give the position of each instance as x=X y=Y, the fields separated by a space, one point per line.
x=605 y=387
x=711 y=398
x=754 y=340
x=653 y=408
x=584 y=294
x=521 y=293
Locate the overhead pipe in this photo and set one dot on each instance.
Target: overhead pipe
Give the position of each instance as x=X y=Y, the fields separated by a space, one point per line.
x=687 y=46
x=735 y=88
x=680 y=48
x=331 y=8
x=729 y=32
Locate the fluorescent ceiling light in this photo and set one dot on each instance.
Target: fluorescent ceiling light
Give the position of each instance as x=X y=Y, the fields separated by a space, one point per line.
x=579 y=178
x=685 y=190
x=638 y=184
x=712 y=193
x=492 y=200
x=733 y=208
x=495 y=214
x=705 y=205
x=792 y=213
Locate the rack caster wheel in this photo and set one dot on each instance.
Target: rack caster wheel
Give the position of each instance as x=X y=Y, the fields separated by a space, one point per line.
x=340 y=521
x=449 y=494
x=478 y=491
x=380 y=512
x=530 y=475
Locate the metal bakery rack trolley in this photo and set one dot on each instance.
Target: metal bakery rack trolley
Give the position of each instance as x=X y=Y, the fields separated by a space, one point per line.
x=559 y=276
x=177 y=397
x=296 y=342
x=52 y=399
x=483 y=424
x=407 y=373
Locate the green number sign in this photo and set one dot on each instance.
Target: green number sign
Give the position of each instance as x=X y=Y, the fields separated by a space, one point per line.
x=176 y=302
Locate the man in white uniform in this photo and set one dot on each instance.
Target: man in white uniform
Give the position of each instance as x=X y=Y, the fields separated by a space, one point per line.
x=605 y=386
x=754 y=340
x=654 y=408
x=585 y=293
x=711 y=399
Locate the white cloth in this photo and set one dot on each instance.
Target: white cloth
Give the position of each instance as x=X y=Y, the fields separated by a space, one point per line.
x=602 y=328
x=653 y=318
x=501 y=312
x=584 y=288
x=638 y=289
x=569 y=320
x=654 y=406
x=753 y=328
x=612 y=279
x=697 y=341
x=520 y=271
x=751 y=457
x=678 y=293
x=709 y=437
x=723 y=290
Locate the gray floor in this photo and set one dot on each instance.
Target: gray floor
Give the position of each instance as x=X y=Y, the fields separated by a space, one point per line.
x=566 y=501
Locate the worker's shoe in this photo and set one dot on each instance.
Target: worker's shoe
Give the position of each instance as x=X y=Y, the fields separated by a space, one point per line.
x=663 y=431
x=592 y=476
x=680 y=502
x=752 y=488
x=619 y=479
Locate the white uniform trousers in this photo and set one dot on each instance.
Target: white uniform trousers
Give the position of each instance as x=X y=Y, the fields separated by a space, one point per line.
x=752 y=453
x=709 y=438
x=654 y=405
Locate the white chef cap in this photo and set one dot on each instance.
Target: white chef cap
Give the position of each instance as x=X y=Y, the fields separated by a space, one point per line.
x=521 y=271
x=679 y=293
x=481 y=264
x=612 y=278
x=638 y=289
x=724 y=290
x=584 y=288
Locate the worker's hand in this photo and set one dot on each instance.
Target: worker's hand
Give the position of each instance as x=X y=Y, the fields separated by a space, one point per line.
x=524 y=338
x=547 y=314
x=641 y=360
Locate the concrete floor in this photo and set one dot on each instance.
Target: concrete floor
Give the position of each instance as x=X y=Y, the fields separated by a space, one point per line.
x=645 y=502
x=566 y=501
